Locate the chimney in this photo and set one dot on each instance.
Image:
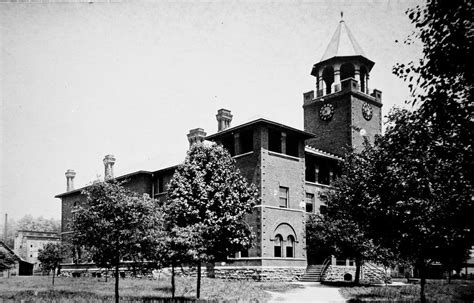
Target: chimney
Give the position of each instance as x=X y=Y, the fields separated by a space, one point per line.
x=224 y=118
x=109 y=162
x=196 y=135
x=70 y=174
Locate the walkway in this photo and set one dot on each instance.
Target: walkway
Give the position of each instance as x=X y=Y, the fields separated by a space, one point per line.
x=309 y=292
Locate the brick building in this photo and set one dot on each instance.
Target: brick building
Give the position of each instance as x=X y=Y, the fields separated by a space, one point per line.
x=291 y=168
x=28 y=243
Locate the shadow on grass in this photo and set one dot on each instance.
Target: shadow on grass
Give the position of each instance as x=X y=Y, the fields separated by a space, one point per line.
x=71 y=296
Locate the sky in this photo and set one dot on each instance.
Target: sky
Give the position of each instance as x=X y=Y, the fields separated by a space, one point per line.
x=81 y=80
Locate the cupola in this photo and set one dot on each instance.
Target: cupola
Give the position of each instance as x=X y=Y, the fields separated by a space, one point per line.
x=343 y=59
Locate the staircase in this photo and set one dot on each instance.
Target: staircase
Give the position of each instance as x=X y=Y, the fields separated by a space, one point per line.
x=312 y=274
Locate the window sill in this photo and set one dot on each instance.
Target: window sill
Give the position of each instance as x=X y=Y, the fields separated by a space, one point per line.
x=319 y=184
x=285 y=156
x=243 y=155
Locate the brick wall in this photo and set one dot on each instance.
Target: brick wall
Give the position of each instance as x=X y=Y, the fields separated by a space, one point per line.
x=343 y=129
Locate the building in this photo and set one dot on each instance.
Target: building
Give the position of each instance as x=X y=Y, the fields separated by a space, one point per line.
x=292 y=168
x=20 y=267
x=28 y=243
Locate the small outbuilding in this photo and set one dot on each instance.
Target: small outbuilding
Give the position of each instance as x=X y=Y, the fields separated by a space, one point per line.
x=20 y=267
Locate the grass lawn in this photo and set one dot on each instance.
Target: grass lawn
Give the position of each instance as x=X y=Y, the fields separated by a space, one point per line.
x=39 y=289
x=436 y=291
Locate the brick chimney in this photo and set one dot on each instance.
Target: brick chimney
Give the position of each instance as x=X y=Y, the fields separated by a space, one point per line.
x=196 y=135
x=224 y=118
x=70 y=174
x=109 y=162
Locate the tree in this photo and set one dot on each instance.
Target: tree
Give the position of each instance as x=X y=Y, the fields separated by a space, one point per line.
x=115 y=224
x=51 y=255
x=209 y=201
x=344 y=226
x=441 y=85
x=423 y=198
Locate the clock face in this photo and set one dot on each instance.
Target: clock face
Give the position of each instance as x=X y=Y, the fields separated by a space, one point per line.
x=367 y=111
x=326 y=112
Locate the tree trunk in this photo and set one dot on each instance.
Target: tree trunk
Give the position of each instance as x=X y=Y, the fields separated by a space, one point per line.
x=173 y=287
x=449 y=276
x=357 y=274
x=106 y=273
x=117 y=276
x=198 y=286
x=422 y=282
x=54 y=273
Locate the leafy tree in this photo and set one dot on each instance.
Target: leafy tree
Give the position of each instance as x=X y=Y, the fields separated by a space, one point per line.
x=116 y=223
x=441 y=84
x=345 y=227
x=423 y=202
x=209 y=201
x=51 y=255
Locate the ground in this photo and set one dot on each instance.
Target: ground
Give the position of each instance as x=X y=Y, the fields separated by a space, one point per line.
x=39 y=289
x=436 y=291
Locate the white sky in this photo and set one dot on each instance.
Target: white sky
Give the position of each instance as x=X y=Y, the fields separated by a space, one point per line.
x=80 y=80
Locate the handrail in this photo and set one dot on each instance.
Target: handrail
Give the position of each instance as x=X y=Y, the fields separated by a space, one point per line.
x=326 y=264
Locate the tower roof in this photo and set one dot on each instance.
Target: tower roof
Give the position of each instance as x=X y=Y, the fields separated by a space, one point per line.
x=342 y=47
x=342 y=44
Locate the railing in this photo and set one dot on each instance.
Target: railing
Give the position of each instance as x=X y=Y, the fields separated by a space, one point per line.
x=326 y=264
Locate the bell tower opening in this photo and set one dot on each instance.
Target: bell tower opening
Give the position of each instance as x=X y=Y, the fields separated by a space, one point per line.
x=328 y=79
x=347 y=71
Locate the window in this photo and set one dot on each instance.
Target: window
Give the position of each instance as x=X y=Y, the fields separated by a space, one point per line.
x=309 y=202
x=246 y=141
x=274 y=140
x=228 y=143
x=244 y=253
x=292 y=147
x=290 y=247
x=277 y=247
x=323 y=207
x=160 y=185
x=283 y=197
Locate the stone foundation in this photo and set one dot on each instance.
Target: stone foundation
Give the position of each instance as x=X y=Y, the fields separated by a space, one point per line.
x=369 y=274
x=255 y=273
x=259 y=273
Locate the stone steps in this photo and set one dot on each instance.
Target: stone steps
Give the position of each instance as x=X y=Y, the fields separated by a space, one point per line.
x=312 y=274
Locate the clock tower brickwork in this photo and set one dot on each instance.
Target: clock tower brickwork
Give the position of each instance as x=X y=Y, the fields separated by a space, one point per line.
x=341 y=112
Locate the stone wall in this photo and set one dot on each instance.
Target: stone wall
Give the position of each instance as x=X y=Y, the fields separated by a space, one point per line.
x=258 y=273
x=369 y=274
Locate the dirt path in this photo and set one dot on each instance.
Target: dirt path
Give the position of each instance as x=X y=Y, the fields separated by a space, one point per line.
x=308 y=292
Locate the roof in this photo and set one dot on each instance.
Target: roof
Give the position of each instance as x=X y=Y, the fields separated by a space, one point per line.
x=139 y=172
x=342 y=44
x=261 y=121
x=321 y=153
x=10 y=251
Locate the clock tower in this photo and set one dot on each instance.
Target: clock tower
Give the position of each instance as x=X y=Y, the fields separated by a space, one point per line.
x=342 y=112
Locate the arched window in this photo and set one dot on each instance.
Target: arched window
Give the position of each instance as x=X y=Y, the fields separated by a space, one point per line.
x=290 y=247
x=347 y=71
x=328 y=79
x=277 y=247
